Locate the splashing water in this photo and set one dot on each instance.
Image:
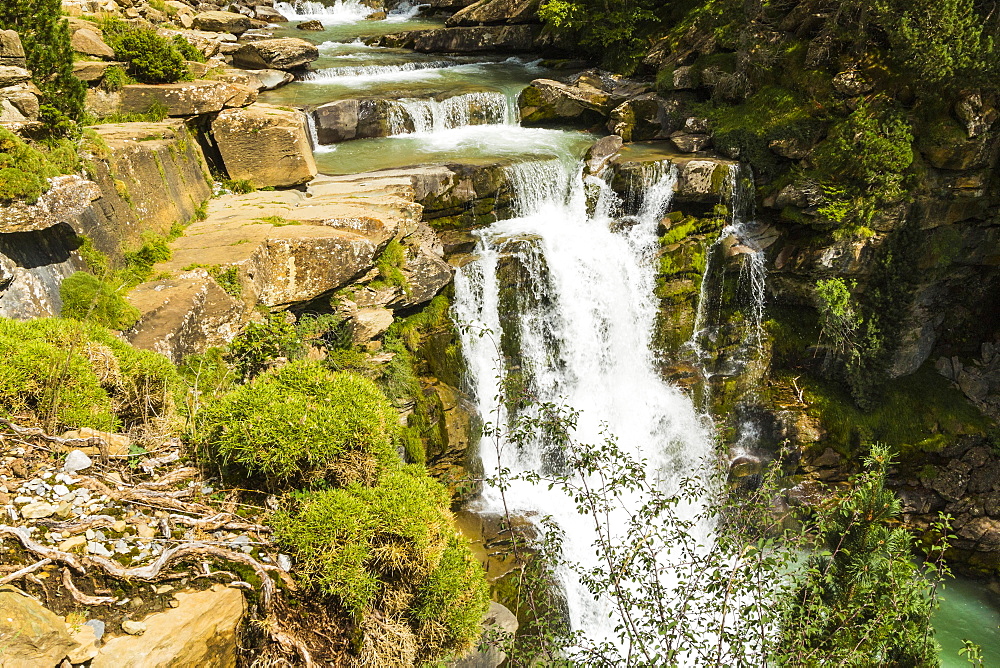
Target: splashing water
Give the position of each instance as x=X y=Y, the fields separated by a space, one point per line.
x=582 y=317
x=425 y=116
x=342 y=11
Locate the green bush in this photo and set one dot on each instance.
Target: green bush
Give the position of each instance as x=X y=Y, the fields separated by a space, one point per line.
x=115 y=78
x=188 y=50
x=68 y=374
x=303 y=423
x=24 y=168
x=260 y=343
x=45 y=36
x=390 y=548
x=151 y=58
x=88 y=298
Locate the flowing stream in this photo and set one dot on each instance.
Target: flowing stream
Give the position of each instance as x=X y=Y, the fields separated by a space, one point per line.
x=565 y=287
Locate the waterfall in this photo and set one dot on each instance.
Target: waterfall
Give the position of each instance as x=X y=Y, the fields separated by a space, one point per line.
x=311 y=128
x=750 y=292
x=425 y=115
x=338 y=74
x=582 y=287
x=341 y=11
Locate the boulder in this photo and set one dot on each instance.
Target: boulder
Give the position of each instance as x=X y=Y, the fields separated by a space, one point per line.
x=19 y=104
x=201 y=631
x=256 y=79
x=67 y=198
x=357 y=118
x=32 y=636
x=184 y=315
x=600 y=154
x=852 y=84
x=313 y=25
x=699 y=179
x=690 y=143
x=491 y=12
x=269 y=14
x=640 y=118
x=426 y=275
x=369 y=323
x=89 y=43
x=288 y=53
x=11 y=50
x=226 y=22
x=546 y=100
x=92 y=70
x=185 y=98
x=478 y=39
x=11 y=76
x=266 y=145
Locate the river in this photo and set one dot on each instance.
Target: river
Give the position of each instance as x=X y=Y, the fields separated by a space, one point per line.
x=585 y=303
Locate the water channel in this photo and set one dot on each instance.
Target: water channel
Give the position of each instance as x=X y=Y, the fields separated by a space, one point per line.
x=585 y=337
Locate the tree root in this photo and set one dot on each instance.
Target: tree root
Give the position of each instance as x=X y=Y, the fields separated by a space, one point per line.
x=27 y=570
x=214 y=523
x=80 y=597
x=68 y=443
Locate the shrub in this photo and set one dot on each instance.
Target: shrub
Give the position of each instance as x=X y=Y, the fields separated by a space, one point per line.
x=115 y=78
x=188 y=50
x=89 y=298
x=260 y=343
x=301 y=424
x=46 y=40
x=23 y=169
x=390 y=548
x=151 y=58
x=69 y=374
x=139 y=263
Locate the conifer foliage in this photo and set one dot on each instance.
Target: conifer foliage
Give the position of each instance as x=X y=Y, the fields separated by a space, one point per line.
x=45 y=36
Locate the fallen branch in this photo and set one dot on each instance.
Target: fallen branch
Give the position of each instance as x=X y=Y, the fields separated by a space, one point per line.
x=172 y=478
x=68 y=443
x=27 y=570
x=40 y=550
x=164 y=500
x=80 y=597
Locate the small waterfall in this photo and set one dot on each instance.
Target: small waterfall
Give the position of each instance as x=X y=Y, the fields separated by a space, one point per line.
x=339 y=74
x=738 y=239
x=341 y=11
x=424 y=115
x=311 y=128
x=583 y=289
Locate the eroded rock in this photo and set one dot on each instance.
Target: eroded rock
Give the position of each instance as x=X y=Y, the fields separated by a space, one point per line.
x=490 y=12
x=288 y=53
x=266 y=145
x=32 y=636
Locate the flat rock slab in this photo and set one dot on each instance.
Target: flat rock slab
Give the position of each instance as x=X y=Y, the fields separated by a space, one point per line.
x=187 y=98
x=32 y=635
x=200 y=631
x=287 y=53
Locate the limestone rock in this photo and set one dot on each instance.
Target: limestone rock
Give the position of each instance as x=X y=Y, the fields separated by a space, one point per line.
x=184 y=315
x=67 y=198
x=639 y=119
x=369 y=323
x=200 y=631
x=490 y=12
x=548 y=100
x=19 y=104
x=426 y=275
x=32 y=635
x=38 y=510
x=86 y=644
x=89 y=43
x=11 y=76
x=11 y=50
x=267 y=145
x=117 y=444
x=699 y=179
x=479 y=39
x=313 y=25
x=287 y=53
x=499 y=619
x=256 y=79
x=690 y=143
x=269 y=14
x=76 y=460
x=852 y=84
x=227 y=22
x=603 y=150
x=92 y=70
x=800 y=194
x=186 y=98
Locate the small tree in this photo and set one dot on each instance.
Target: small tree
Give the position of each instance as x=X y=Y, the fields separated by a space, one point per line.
x=45 y=36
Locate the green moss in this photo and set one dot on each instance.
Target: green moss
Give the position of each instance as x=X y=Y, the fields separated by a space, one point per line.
x=89 y=298
x=377 y=548
x=390 y=264
x=278 y=221
x=228 y=279
x=303 y=423
x=72 y=374
x=24 y=168
x=918 y=413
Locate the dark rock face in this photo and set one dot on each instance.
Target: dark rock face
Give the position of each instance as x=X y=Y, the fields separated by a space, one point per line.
x=494 y=12
x=478 y=39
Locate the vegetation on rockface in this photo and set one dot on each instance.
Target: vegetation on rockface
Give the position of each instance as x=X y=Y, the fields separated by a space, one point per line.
x=45 y=36
x=613 y=31
x=67 y=374
x=25 y=168
x=391 y=551
x=150 y=57
x=302 y=424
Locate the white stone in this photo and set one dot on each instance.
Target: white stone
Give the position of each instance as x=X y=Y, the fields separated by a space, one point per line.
x=60 y=490
x=76 y=460
x=133 y=628
x=98 y=549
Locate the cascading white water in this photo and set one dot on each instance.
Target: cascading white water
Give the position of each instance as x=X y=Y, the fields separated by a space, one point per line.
x=341 y=11
x=741 y=231
x=427 y=115
x=338 y=74
x=584 y=327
